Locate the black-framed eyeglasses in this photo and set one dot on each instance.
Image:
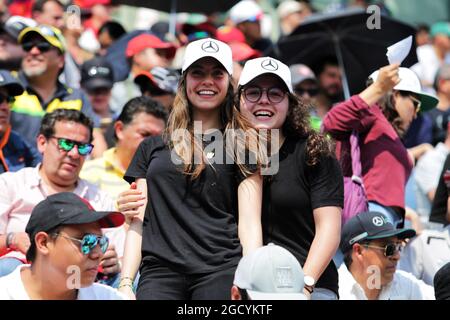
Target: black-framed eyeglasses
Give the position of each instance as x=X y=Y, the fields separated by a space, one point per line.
x=416 y=102
x=8 y=99
x=89 y=242
x=311 y=92
x=389 y=249
x=41 y=45
x=274 y=94
x=66 y=145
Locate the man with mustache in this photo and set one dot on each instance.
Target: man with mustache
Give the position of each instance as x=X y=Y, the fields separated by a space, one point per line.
x=64 y=141
x=371 y=248
x=67 y=246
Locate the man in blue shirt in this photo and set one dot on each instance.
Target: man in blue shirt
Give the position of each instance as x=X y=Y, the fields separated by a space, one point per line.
x=15 y=153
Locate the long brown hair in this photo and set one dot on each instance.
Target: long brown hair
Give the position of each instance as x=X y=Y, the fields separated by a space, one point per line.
x=387 y=104
x=190 y=149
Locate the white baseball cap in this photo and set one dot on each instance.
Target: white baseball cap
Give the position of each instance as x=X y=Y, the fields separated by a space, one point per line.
x=208 y=48
x=287 y=7
x=246 y=10
x=270 y=273
x=411 y=83
x=256 y=67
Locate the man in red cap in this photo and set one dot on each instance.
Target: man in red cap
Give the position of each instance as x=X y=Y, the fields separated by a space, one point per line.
x=143 y=52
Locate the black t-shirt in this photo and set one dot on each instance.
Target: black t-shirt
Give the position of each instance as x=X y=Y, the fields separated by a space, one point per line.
x=189 y=225
x=290 y=197
x=439 y=208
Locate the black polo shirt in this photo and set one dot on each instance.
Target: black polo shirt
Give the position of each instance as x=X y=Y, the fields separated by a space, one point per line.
x=290 y=197
x=189 y=225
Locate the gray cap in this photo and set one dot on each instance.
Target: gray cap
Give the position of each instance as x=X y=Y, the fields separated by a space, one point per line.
x=300 y=73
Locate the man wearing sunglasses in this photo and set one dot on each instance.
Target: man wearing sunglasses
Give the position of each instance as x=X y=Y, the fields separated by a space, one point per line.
x=66 y=248
x=371 y=248
x=41 y=66
x=65 y=141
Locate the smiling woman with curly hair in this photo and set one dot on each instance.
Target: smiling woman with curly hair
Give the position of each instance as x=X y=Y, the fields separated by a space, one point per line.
x=302 y=202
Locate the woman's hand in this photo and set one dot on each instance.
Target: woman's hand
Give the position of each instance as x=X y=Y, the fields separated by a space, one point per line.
x=129 y=202
x=128 y=291
x=388 y=78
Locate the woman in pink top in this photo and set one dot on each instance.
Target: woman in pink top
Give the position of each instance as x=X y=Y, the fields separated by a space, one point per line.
x=381 y=114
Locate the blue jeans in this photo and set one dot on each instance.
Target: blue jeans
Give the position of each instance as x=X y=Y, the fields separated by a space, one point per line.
x=8 y=265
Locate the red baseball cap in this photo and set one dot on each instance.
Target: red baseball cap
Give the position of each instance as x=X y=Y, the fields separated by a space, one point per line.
x=144 y=41
x=229 y=34
x=242 y=51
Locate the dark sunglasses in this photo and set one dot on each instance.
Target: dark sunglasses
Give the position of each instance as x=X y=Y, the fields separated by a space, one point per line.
x=274 y=94
x=42 y=46
x=89 y=242
x=389 y=250
x=6 y=98
x=66 y=144
x=311 y=92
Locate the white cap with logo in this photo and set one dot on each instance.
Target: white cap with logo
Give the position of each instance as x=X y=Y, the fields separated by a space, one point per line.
x=246 y=10
x=411 y=83
x=208 y=48
x=270 y=273
x=256 y=67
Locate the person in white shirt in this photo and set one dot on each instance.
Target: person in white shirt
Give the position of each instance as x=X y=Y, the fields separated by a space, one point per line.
x=371 y=248
x=424 y=255
x=434 y=55
x=427 y=172
x=66 y=248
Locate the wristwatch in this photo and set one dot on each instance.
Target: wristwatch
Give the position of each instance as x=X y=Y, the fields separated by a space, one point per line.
x=309 y=283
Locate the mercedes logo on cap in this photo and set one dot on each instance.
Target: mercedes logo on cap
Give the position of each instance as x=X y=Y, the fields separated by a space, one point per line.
x=378 y=221
x=210 y=47
x=269 y=64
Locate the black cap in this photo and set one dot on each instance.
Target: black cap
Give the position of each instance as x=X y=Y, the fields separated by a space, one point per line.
x=66 y=208
x=159 y=78
x=370 y=226
x=441 y=283
x=97 y=73
x=10 y=83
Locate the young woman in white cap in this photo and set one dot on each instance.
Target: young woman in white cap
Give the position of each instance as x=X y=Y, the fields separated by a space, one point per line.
x=381 y=114
x=186 y=240
x=302 y=201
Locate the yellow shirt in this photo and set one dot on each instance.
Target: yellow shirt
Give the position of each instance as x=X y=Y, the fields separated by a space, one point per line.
x=105 y=173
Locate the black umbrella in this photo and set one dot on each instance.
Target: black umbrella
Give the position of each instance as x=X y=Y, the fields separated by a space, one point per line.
x=192 y=6
x=346 y=35
x=174 y=6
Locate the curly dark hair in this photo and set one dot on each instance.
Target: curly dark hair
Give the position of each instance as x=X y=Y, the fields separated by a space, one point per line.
x=298 y=125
